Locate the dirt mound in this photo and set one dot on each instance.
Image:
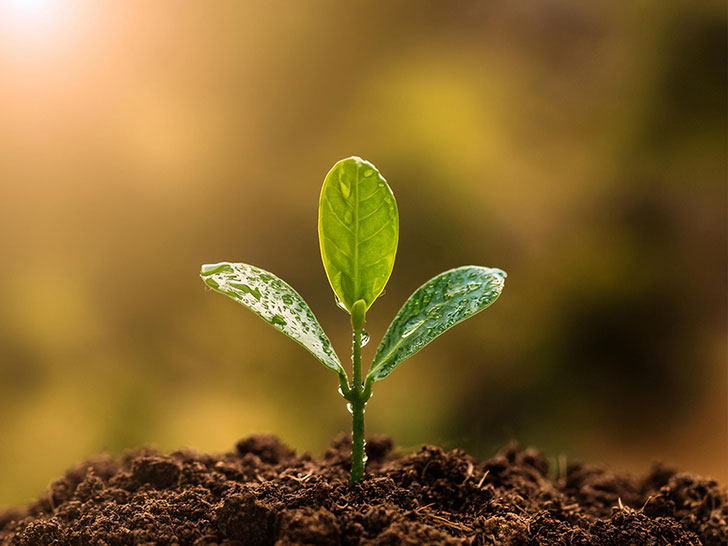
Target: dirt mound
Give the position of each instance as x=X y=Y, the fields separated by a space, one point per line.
x=263 y=493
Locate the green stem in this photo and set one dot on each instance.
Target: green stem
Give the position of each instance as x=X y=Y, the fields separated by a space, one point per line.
x=356 y=396
x=357 y=415
x=344 y=385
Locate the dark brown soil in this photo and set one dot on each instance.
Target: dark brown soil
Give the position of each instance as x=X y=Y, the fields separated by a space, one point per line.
x=264 y=494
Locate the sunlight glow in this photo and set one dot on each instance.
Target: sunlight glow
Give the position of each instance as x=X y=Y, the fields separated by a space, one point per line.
x=35 y=20
x=29 y=13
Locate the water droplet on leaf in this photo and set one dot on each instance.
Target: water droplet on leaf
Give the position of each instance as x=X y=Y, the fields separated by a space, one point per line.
x=211 y=269
x=344 y=185
x=247 y=289
x=340 y=304
x=278 y=319
x=412 y=328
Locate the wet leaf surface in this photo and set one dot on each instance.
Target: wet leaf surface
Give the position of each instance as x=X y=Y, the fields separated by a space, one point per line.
x=276 y=302
x=439 y=304
x=358 y=231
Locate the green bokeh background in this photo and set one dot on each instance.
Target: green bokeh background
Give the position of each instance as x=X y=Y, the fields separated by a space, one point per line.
x=580 y=146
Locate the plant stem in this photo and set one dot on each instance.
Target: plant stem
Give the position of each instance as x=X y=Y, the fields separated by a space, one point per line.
x=357 y=396
x=357 y=415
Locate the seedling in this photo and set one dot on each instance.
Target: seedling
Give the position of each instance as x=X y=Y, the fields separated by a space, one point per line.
x=358 y=228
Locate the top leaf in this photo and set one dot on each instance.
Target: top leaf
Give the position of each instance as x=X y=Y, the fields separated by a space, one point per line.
x=358 y=231
x=273 y=300
x=439 y=304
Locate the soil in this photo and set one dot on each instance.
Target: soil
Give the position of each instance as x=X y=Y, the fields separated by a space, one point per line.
x=263 y=493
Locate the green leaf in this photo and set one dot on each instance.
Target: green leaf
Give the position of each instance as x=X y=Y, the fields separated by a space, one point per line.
x=358 y=231
x=273 y=300
x=439 y=304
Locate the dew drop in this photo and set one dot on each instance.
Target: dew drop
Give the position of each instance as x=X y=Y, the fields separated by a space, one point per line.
x=368 y=172
x=340 y=304
x=412 y=328
x=434 y=311
x=344 y=185
x=364 y=337
x=350 y=408
x=211 y=269
x=278 y=319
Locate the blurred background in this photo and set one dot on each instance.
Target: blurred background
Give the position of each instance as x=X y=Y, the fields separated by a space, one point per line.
x=579 y=146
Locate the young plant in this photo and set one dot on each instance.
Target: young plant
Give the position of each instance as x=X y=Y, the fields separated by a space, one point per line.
x=358 y=228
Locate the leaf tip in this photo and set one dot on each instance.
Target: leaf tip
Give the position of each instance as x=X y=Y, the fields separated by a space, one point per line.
x=360 y=162
x=211 y=269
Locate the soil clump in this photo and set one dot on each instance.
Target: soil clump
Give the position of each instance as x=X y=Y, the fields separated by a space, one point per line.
x=264 y=494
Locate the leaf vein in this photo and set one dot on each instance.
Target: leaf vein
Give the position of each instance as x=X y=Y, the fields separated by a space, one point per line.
x=337 y=247
x=356 y=233
x=378 y=261
x=370 y=237
x=368 y=197
x=338 y=218
x=379 y=206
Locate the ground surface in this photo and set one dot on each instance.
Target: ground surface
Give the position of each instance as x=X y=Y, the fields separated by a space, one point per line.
x=264 y=494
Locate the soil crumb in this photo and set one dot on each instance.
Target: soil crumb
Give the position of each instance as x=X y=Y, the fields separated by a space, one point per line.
x=264 y=494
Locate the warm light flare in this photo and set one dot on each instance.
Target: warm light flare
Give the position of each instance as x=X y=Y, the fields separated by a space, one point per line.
x=35 y=33
x=30 y=15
